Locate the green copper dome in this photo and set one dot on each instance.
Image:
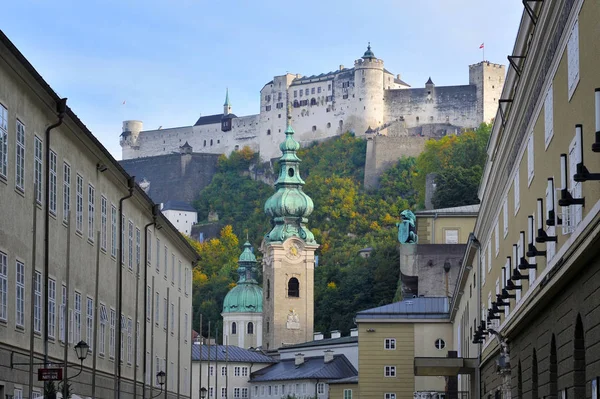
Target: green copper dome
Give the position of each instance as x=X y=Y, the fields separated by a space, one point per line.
x=246 y=296
x=368 y=54
x=289 y=207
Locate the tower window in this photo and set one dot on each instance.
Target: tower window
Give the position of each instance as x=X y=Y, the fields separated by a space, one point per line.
x=205 y=143
x=268 y=288
x=314 y=128
x=328 y=125
x=268 y=132
x=294 y=287
x=250 y=328
x=211 y=142
x=291 y=172
x=234 y=328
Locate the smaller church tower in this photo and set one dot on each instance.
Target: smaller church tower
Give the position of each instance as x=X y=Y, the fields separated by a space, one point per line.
x=242 y=307
x=227 y=105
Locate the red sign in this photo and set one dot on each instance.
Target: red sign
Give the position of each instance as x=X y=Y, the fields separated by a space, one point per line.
x=50 y=374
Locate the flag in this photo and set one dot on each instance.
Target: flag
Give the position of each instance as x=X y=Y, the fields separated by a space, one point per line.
x=479 y=47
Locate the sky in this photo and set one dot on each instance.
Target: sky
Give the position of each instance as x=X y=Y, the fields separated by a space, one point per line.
x=168 y=62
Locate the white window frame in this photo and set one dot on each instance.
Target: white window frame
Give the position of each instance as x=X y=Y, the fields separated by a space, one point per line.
x=489 y=256
x=347 y=393
x=20 y=294
x=244 y=371
x=389 y=371
x=389 y=344
x=123 y=237
x=157 y=255
x=149 y=249
x=517 y=193
x=166 y=313
x=18 y=393
x=79 y=204
x=497 y=238
x=102 y=330
x=37 y=303
x=129 y=341
x=186 y=326
x=505 y=216
x=53 y=179
x=122 y=340
x=38 y=157
x=62 y=315
x=185 y=282
x=113 y=228
x=112 y=334
x=91 y=211
x=172 y=317
x=157 y=309
x=389 y=395
x=51 y=308
x=530 y=159
x=179 y=276
x=137 y=341
x=77 y=316
x=3 y=141
x=20 y=157
x=148 y=303
x=3 y=286
x=138 y=248
x=66 y=191
x=130 y=243
x=103 y=222
x=223 y=371
x=166 y=269
x=548 y=117
x=245 y=392
x=573 y=60
x=89 y=322
x=172 y=269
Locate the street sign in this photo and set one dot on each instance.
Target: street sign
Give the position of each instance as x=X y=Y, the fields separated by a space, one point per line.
x=50 y=374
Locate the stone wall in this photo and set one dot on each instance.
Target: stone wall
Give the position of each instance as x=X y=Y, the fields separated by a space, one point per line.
x=178 y=177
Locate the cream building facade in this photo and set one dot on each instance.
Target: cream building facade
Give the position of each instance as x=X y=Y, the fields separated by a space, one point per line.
x=73 y=266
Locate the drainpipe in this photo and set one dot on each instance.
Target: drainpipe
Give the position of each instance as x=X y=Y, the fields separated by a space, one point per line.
x=61 y=109
x=435 y=216
x=130 y=187
x=155 y=211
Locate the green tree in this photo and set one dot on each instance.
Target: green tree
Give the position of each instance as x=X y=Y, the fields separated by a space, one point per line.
x=457 y=187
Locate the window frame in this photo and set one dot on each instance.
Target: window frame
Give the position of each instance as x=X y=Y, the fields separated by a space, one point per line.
x=20 y=294
x=389 y=344
x=389 y=371
x=53 y=182
x=3 y=287
x=20 y=155
x=3 y=141
x=79 y=203
x=38 y=168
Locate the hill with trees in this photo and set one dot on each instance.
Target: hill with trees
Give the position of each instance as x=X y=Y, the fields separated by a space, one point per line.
x=346 y=219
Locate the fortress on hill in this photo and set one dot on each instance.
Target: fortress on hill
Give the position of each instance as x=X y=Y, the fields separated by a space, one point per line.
x=367 y=99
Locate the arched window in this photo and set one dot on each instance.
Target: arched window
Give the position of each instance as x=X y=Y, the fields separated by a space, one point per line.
x=579 y=360
x=211 y=142
x=205 y=143
x=234 y=328
x=268 y=288
x=294 y=287
x=553 y=369
x=250 y=328
x=534 y=375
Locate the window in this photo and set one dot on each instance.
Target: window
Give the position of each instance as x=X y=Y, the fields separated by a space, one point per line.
x=390 y=371
x=77 y=330
x=390 y=344
x=172 y=317
x=51 y=307
x=20 y=295
x=347 y=393
x=186 y=326
x=138 y=248
x=236 y=371
x=148 y=302
x=3 y=141
x=234 y=328
x=483 y=272
x=223 y=370
x=505 y=216
x=20 y=157
x=37 y=304
x=250 y=328
x=306 y=92
x=62 y=314
x=18 y=393
x=79 y=205
x=149 y=249
x=172 y=269
x=122 y=243
x=530 y=160
x=158 y=368
x=244 y=371
x=516 y=192
x=66 y=191
x=312 y=91
x=318 y=89
x=212 y=371
x=130 y=245
x=53 y=182
x=185 y=281
x=103 y=220
x=179 y=276
x=37 y=168
x=489 y=255
x=166 y=251
x=102 y=330
x=113 y=227
x=497 y=238
x=91 y=211
x=293 y=287
x=451 y=236
x=390 y=396
x=320 y=388
x=440 y=344
x=3 y=286
x=295 y=93
x=157 y=309
x=223 y=392
x=165 y=312
x=573 y=59
x=157 y=255
x=111 y=343
x=548 y=117
x=573 y=213
x=244 y=392
x=129 y=340
x=123 y=331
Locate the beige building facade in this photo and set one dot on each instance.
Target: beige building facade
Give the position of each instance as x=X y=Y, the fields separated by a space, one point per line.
x=446 y=225
x=90 y=282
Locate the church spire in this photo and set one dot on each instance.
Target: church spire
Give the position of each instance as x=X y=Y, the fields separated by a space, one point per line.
x=227 y=104
x=247 y=265
x=289 y=207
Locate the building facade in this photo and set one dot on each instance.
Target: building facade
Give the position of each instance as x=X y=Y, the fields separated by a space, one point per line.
x=84 y=256
x=181 y=215
x=365 y=97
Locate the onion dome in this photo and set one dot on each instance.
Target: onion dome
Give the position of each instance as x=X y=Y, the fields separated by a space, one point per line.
x=289 y=207
x=246 y=296
x=368 y=55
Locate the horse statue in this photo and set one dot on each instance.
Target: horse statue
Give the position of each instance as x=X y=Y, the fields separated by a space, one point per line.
x=407 y=229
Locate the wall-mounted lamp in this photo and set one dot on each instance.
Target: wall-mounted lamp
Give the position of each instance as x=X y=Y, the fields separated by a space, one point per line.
x=523 y=262
x=531 y=249
x=581 y=172
x=100 y=167
x=566 y=199
x=552 y=218
x=500 y=301
x=507 y=295
x=542 y=236
x=516 y=276
x=370 y=330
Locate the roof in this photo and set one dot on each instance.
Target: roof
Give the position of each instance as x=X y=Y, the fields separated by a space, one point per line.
x=173 y=205
x=313 y=368
x=348 y=380
x=429 y=81
x=229 y=353
x=322 y=342
x=457 y=210
x=211 y=119
x=71 y=115
x=416 y=308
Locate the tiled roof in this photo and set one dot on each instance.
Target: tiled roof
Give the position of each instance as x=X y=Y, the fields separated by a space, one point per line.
x=416 y=308
x=210 y=119
x=322 y=342
x=313 y=368
x=229 y=353
x=465 y=209
x=349 y=380
x=174 y=205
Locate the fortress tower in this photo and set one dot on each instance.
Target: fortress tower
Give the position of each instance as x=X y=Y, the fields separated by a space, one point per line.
x=489 y=80
x=368 y=97
x=129 y=138
x=289 y=256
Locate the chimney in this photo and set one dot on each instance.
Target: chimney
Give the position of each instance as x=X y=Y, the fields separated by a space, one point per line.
x=328 y=356
x=341 y=68
x=318 y=336
x=299 y=359
x=336 y=334
x=354 y=332
x=398 y=76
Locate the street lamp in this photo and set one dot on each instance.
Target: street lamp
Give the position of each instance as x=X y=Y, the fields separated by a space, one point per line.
x=161 y=376
x=82 y=349
x=202 y=393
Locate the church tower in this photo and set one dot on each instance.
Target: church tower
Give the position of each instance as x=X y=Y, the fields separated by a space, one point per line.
x=227 y=104
x=288 y=256
x=242 y=307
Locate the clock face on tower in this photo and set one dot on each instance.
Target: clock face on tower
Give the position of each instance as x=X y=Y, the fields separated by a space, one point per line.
x=293 y=251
